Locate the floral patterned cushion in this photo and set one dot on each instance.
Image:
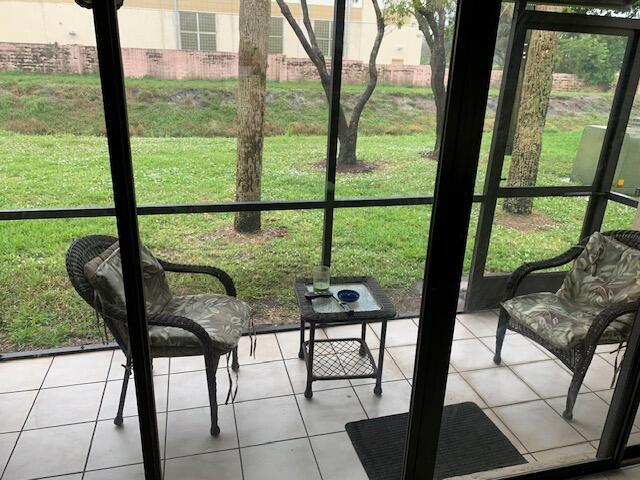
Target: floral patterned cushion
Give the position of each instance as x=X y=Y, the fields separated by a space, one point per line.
x=606 y=272
x=224 y=318
x=104 y=272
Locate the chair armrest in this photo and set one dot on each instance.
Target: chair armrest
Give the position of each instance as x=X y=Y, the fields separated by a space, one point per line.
x=166 y=320
x=606 y=316
x=525 y=269
x=221 y=275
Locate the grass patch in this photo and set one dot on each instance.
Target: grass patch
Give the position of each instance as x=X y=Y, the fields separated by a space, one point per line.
x=40 y=309
x=31 y=103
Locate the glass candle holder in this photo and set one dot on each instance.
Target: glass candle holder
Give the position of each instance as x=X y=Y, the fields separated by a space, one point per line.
x=321 y=278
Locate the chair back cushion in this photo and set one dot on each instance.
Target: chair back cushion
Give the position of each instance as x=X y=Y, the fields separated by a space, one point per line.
x=104 y=272
x=606 y=272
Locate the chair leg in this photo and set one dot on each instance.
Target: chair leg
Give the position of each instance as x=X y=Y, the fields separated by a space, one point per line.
x=123 y=394
x=574 y=387
x=235 y=366
x=211 y=362
x=503 y=321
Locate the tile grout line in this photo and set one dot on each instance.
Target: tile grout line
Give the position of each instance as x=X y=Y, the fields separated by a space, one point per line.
x=166 y=418
x=235 y=422
x=95 y=424
x=13 y=450
x=295 y=398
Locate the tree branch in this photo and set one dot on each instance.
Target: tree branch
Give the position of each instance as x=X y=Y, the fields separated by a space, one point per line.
x=318 y=61
x=373 y=71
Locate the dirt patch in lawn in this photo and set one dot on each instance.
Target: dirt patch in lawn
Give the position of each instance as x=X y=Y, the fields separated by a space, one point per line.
x=358 y=167
x=272 y=312
x=536 y=222
x=229 y=234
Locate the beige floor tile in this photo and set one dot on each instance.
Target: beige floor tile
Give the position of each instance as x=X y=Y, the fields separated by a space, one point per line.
x=290 y=460
x=599 y=374
x=517 y=349
x=390 y=370
x=114 y=446
x=130 y=472
x=65 y=405
x=189 y=390
x=7 y=442
x=269 y=420
x=589 y=414
x=538 y=426
x=499 y=386
x=337 y=458
x=546 y=378
x=461 y=332
x=218 y=466
x=404 y=358
x=329 y=410
x=267 y=349
x=78 y=368
x=263 y=380
x=471 y=354
x=290 y=341
x=395 y=398
x=353 y=331
x=557 y=455
x=15 y=408
x=25 y=374
x=50 y=451
x=399 y=332
x=111 y=399
x=297 y=371
x=503 y=428
x=188 y=431
x=190 y=364
x=481 y=324
x=459 y=391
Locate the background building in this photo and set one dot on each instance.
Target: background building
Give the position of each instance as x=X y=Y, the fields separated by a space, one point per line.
x=208 y=25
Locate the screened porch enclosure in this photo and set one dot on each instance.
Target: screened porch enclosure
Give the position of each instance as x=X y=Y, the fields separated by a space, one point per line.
x=152 y=161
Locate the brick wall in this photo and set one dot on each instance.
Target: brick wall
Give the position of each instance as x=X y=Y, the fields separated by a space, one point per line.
x=180 y=64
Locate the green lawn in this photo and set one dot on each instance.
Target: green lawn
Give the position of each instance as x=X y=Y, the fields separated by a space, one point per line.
x=54 y=155
x=39 y=309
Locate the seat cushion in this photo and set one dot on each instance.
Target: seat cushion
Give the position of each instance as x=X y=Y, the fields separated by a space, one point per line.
x=562 y=323
x=606 y=272
x=104 y=272
x=224 y=318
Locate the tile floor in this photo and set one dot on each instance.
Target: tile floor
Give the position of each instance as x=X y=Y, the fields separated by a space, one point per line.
x=57 y=412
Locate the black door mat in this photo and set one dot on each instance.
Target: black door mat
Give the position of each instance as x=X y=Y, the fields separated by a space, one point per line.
x=469 y=443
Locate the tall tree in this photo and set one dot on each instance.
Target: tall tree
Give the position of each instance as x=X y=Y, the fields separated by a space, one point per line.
x=433 y=17
x=348 y=129
x=532 y=114
x=252 y=75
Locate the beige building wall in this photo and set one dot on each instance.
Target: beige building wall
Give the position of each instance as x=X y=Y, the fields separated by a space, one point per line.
x=143 y=26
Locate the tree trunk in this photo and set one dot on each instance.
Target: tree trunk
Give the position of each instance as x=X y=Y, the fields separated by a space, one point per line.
x=438 y=86
x=432 y=23
x=348 y=141
x=252 y=75
x=532 y=113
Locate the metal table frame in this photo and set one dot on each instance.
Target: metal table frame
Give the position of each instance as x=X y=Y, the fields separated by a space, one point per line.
x=324 y=358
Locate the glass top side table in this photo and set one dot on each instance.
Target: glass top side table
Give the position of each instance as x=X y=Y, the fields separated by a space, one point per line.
x=343 y=358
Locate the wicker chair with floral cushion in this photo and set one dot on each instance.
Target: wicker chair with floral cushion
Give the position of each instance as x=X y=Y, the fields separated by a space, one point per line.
x=595 y=305
x=209 y=325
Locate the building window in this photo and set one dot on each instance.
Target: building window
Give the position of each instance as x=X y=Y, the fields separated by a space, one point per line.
x=322 y=29
x=275 y=35
x=197 y=31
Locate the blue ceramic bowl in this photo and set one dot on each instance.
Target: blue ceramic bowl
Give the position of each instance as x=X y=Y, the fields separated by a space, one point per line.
x=348 y=296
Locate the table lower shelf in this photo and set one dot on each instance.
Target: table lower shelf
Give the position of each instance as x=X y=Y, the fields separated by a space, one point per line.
x=344 y=358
